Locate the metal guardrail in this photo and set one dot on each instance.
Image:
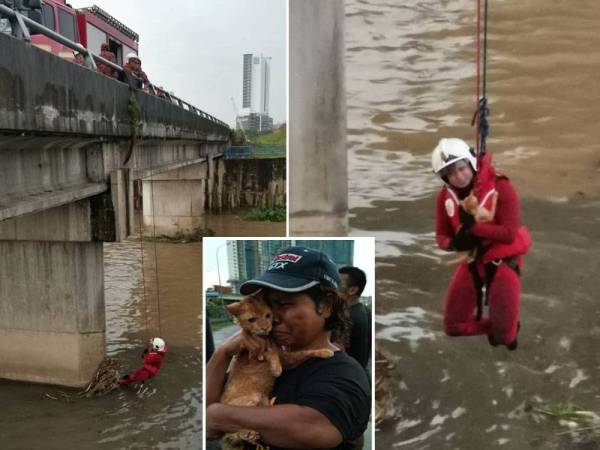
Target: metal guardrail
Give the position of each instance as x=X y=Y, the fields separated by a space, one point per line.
x=21 y=26
x=251 y=151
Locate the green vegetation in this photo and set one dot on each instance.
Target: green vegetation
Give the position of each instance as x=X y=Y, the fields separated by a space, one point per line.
x=566 y=414
x=220 y=324
x=565 y=411
x=275 y=214
x=181 y=238
x=272 y=138
x=135 y=116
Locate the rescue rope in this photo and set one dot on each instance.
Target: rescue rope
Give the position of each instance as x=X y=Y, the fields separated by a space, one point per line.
x=141 y=219
x=480 y=117
x=155 y=253
x=147 y=333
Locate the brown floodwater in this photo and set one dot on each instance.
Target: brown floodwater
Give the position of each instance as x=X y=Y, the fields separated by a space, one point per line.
x=166 y=412
x=410 y=81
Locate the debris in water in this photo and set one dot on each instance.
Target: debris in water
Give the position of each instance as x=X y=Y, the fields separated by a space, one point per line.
x=105 y=380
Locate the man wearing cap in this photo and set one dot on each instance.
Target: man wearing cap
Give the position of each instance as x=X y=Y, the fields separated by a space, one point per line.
x=109 y=56
x=320 y=403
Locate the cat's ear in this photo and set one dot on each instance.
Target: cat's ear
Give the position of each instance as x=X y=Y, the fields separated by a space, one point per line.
x=233 y=308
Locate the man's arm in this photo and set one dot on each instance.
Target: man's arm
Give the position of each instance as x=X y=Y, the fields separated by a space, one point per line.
x=291 y=426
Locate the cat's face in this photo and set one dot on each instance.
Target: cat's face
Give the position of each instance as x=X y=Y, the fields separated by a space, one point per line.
x=253 y=315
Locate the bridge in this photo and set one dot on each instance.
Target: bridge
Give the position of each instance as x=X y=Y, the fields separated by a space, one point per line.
x=82 y=156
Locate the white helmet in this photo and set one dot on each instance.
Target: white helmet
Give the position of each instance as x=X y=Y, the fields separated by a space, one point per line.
x=132 y=55
x=450 y=151
x=158 y=344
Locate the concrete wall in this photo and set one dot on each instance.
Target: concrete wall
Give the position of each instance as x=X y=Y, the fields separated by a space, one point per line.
x=51 y=311
x=250 y=183
x=318 y=180
x=65 y=223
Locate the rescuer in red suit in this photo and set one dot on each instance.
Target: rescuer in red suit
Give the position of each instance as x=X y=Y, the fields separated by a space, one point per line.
x=134 y=65
x=153 y=359
x=497 y=245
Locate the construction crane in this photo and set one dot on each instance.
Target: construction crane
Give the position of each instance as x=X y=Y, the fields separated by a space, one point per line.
x=238 y=120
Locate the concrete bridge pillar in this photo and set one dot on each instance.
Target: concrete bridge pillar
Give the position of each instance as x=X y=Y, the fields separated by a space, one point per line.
x=318 y=157
x=52 y=323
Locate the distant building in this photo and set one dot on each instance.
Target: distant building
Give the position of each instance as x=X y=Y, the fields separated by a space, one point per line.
x=256 y=83
x=255 y=94
x=256 y=123
x=341 y=252
x=249 y=259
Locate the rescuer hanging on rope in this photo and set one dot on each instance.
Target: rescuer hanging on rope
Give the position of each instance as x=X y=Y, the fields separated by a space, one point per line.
x=496 y=246
x=153 y=358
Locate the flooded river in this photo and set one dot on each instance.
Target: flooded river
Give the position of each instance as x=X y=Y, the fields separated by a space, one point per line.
x=410 y=81
x=166 y=412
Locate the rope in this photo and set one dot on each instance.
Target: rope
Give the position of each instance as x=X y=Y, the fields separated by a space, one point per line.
x=143 y=273
x=141 y=231
x=480 y=117
x=155 y=253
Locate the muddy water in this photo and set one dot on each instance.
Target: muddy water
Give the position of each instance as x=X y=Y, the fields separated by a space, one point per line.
x=232 y=225
x=410 y=81
x=166 y=413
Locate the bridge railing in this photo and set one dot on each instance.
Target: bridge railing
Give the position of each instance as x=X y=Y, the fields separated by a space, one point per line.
x=21 y=26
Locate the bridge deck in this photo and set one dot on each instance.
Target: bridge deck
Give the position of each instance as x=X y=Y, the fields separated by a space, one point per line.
x=13 y=205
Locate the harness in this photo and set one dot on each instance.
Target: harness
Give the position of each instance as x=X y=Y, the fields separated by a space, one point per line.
x=482 y=285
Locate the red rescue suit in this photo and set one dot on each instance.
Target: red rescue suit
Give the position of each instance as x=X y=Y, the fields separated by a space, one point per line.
x=503 y=242
x=152 y=363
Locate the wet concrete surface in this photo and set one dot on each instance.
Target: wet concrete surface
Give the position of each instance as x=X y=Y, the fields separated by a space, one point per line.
x=410 y=80
x=166 y=412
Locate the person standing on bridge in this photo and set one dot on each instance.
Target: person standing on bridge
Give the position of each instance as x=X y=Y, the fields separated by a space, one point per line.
x=110 y=56
x=497 y=246
x=134 y=66
x=153 y=357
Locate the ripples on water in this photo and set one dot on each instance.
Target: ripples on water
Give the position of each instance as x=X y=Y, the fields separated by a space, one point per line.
x=410 y=80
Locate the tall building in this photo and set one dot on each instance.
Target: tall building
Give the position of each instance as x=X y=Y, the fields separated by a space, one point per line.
x=256 y=83
x=255 y=93
x=249 y=259
x=341 y=252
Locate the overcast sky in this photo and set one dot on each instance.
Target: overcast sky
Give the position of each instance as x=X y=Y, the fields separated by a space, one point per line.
x=194 y=47
x=364 y=258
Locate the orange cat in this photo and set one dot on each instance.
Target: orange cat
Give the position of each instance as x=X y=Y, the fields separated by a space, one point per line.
x=471 y=205
x=250 y=381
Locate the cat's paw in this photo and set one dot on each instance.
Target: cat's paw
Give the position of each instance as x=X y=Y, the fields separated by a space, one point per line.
x=324 y=353
x=250 y=436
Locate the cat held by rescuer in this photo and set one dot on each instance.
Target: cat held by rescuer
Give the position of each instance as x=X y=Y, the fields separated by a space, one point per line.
x=250 y=381
x=481 y=214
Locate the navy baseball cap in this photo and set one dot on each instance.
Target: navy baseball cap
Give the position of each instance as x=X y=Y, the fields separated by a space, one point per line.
x=296 y=269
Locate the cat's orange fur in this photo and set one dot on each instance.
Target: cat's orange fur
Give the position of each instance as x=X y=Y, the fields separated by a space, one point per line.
x=471 y=205
x=250 y=381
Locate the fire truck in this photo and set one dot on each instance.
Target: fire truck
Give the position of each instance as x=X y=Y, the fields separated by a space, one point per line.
x=90 y=27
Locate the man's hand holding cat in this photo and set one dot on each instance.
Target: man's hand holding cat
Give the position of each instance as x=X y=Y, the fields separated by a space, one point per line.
x=256 y=346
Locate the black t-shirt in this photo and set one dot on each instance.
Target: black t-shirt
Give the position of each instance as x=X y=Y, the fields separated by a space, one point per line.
x=337 y=387
x=360 y=334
